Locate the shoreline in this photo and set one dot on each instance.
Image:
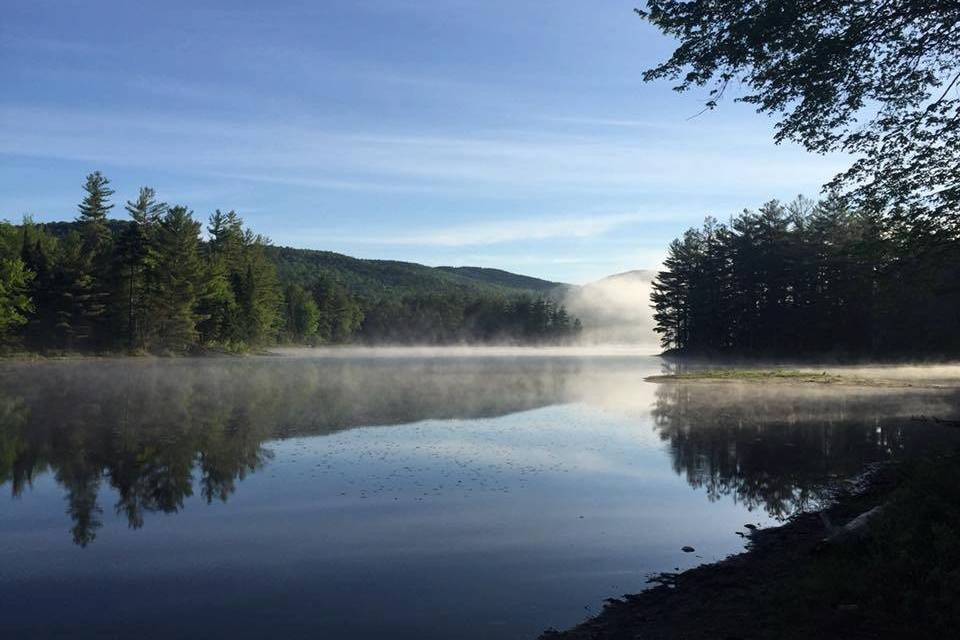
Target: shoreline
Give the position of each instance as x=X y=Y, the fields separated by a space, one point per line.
x=727 y=599
x=350 y=350
x=819 y=377
x=890 y=577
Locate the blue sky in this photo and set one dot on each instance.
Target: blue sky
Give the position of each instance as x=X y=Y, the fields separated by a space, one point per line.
x=496 y=133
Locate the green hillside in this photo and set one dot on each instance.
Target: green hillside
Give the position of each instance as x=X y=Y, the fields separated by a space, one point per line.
x=505 y=279
x=379 y=279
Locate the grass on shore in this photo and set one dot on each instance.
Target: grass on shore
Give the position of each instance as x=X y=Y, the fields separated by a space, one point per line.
x=757 y=375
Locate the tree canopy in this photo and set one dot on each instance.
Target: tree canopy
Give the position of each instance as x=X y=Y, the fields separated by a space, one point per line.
x=811 y=279
x=155 y=283
x=878 y=79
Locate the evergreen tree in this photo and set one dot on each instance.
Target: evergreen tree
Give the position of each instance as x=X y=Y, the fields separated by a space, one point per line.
x=177 y=281
x=93 y=213
x=150 y=283
x=137 y=261
x=301 y=315
x=812 y=279
x=219 y=323
x=257 y=291
x=39 y=253
x=339 y=315
x=243 y=304
x=80 y=302
x=93 y=273
x=15 y=304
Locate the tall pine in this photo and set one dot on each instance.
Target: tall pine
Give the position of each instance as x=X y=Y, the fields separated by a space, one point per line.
x=92 y=272
x=136 y=259
x=176 y=282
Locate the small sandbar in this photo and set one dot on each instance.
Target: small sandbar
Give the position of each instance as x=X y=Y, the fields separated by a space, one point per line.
x=896 y=377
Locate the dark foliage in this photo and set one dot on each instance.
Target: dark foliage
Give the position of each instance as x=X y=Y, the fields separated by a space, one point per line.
x=152 y=284
x=902 y=581
x=444 y=319
x=874 y=78
x=809 y=279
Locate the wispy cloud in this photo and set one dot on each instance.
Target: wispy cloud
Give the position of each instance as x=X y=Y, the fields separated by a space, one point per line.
x=605 y=122
x=303 y=153
x=505 y=231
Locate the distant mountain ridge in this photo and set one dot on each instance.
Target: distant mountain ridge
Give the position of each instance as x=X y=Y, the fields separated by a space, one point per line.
x=391 y=278
x=378 y=279
x=502 y=278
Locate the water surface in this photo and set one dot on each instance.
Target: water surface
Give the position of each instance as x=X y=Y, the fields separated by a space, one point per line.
x=398 y=495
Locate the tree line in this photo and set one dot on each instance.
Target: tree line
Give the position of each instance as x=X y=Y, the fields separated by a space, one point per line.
x=811 y=278
x=156 y=283
x=451 y=318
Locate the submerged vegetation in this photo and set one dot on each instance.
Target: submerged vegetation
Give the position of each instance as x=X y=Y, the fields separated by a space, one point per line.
x=154 y=284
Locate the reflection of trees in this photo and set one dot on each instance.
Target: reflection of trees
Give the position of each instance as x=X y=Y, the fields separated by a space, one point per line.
x=141 y=434
x=150 y=431
x=776 y=446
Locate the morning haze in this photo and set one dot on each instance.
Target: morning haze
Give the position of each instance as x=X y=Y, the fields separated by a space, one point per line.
x=448 y=320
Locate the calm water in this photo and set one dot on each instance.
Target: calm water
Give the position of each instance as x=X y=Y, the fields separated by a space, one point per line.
x=401 y=497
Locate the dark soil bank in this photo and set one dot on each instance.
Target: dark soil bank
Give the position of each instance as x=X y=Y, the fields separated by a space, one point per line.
x=898 y=581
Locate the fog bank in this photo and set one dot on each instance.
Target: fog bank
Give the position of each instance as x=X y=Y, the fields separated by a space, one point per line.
x=616 y=310
x=462 y=351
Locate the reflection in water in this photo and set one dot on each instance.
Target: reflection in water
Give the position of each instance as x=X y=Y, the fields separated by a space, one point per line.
x=776 y=446
x=497 y=496
x=155 y=431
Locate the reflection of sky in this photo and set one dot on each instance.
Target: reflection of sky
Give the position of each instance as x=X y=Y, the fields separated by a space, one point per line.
x=435 y=528
x=535 y=514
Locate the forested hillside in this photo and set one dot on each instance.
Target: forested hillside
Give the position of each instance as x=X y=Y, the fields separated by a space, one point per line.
x=152 y=283
x=375 y=279
x=813 y=279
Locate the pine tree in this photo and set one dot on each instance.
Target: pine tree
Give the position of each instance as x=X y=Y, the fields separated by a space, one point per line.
x=258 y=300
x=137 y=257
x=218 y=307
x=93 y=213
x=92 y=272
x=177 y=281
x=256 y=288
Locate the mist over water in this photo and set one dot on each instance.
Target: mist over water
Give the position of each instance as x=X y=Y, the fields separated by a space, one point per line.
x=616 y=310
x=363 y=493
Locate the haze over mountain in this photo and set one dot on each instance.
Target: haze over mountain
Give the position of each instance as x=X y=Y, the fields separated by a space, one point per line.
x=616 y=309
x=613 y=310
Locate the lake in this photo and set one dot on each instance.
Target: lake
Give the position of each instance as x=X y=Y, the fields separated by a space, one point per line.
x=401 y=494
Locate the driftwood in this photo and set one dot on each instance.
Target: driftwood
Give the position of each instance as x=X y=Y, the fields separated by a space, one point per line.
x=853 y=530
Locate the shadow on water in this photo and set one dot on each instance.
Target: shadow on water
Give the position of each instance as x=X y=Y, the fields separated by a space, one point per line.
x=156 y=432
x=778 y=447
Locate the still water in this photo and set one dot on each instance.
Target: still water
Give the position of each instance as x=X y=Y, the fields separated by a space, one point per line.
x=408 y=496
